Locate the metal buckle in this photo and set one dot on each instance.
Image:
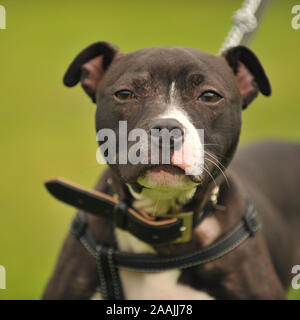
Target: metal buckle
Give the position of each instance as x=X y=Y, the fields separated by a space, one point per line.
x=186 y=225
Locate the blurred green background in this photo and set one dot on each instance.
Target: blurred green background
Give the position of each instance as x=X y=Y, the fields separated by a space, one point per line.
x=48 y=130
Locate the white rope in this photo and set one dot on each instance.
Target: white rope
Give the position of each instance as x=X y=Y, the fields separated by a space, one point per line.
x=245 y=21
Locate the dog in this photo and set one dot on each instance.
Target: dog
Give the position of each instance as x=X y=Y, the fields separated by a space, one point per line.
x=183 y=88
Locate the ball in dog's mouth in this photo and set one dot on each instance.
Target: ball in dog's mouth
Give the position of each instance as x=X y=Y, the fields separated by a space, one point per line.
x=165 y=181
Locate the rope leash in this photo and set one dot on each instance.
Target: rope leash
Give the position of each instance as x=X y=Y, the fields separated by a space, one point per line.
x=245 y=22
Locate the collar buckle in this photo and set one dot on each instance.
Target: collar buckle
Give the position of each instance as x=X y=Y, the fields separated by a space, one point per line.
x=186 y=228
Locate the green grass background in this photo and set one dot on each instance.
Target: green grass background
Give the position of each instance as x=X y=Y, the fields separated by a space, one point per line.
x=48 y=130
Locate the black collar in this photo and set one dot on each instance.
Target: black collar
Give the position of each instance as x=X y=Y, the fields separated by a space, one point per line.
x=109 y=259
x=155 y=231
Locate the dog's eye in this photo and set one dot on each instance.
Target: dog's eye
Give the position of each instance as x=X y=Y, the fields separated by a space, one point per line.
x=210 y=96
x=125 y=95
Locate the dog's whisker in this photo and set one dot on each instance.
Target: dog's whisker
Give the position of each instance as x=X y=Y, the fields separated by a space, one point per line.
x=206 y=170
x=216 y=164
x=215 y=158
x=212 y=156
x=219 y=169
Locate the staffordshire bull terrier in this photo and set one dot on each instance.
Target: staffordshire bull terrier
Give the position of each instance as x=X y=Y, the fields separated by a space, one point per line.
x=187 y=89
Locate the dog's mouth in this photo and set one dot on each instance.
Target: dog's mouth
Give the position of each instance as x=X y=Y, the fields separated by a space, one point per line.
x=161 y=176
x=170 y=169
x=161 y=183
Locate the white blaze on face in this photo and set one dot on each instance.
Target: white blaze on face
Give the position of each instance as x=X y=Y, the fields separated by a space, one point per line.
x=169 y=188
x=172 y=93
x=190 y=157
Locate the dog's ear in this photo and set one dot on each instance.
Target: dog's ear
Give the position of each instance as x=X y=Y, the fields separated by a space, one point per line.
x=89 y=66
x=250 y=75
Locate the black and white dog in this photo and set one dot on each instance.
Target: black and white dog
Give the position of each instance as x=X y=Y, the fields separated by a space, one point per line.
x=187 y=89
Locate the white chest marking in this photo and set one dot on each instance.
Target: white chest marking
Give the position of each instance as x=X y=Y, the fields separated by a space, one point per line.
x=156 y=286
x=162 y=285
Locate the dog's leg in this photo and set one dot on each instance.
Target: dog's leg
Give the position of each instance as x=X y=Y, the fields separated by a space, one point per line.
x=75 y=274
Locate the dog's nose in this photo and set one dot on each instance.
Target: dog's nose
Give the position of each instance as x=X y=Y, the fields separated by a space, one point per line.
x=169 y=128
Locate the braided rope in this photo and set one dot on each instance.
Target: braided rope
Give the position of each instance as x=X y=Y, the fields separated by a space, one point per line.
x=245 y=21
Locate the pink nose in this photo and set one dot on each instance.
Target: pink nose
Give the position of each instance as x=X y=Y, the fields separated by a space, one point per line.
x=184 y=157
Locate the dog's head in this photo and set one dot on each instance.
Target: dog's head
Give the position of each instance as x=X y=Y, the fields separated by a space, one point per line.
x=170 y=88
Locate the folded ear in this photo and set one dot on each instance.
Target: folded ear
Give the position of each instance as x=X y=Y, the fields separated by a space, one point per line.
x=90 y=65
x=250 y=75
